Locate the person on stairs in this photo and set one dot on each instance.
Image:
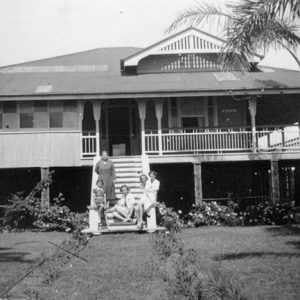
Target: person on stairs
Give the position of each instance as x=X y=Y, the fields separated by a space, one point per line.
x=149 y=187
x=100 y=200
x=124 y=208
x=106 y=172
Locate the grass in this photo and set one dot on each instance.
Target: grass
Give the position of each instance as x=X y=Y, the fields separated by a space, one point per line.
x=19 y=252
x=265 y=260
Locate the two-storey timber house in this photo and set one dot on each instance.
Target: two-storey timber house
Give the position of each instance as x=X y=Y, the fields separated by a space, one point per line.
x=209 y=134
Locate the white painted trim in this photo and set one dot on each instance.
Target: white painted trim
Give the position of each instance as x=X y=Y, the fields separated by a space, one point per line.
x=181 y=48
x=157 y=48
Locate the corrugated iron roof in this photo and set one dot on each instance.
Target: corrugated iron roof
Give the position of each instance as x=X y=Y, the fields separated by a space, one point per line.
x=98 y=72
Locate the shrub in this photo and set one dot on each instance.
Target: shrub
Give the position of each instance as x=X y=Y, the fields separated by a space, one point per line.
x=212 y=213
x=19 y=213
x=269 y=213
x=187 y=276
x=165 y=244
x=29 y=213
x=168 y=218
x=55 y=217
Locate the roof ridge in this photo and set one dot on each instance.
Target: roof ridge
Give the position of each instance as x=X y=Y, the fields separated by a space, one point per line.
x=68 y=54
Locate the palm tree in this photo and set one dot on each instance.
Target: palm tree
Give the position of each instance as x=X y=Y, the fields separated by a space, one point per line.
x=249 y=26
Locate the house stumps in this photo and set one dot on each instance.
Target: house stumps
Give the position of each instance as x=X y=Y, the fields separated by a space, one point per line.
x=275 y=181
x=45 y=193
x=198 y=182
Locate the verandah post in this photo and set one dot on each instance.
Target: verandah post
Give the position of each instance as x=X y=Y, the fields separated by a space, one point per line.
x=142 y=114
x=275 y=181
x=198 y=182
x=159 y=112
x=97 y=116
x=252 y=108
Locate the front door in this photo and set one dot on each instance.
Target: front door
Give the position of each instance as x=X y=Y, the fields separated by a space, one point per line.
x=120 y=128
x=119 y=131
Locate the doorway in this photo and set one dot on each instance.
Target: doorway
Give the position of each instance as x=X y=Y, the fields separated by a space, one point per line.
x=120 y=128
x=119 y=131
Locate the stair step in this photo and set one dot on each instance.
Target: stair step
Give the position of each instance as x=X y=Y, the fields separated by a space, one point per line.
x=121 y=224
x=129 y=184
x=133 y=170
x=134 y=191
x=126 y=158
x=131 y=166
x=128 y=175
x=128 y=179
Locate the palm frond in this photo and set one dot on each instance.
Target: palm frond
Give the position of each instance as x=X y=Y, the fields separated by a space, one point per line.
x=253 y=30
x=199 y=14
x=290 y=8
x=250 y=25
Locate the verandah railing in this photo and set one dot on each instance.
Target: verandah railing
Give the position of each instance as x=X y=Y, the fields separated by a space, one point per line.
x=218 y=140
x=88 y=143
x=222 y=140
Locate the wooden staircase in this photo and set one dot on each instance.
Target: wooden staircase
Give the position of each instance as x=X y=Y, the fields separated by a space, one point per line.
x=128 y=170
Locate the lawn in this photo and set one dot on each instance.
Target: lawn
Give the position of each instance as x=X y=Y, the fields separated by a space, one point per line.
x=19 y=252
x=265 y=260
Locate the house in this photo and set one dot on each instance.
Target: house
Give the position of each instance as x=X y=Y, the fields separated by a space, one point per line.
x=209 y=134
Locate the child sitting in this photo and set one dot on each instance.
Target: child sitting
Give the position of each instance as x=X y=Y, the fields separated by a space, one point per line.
x=99 y=198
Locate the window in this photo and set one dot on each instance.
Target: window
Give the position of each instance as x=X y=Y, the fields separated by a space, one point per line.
x=70 y=106
x=26 y=120
x=9 y=116
x=56 y=119
x=9 y=107
x=193 y=122
x=56 y=114
x=1 y=115
x=70 y=114
x=190 y=122
x=38 y=114
x=26 y=114
x=40 y=106
x=41 y=117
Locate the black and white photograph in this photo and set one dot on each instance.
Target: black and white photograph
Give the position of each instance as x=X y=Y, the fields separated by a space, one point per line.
x=150 y=149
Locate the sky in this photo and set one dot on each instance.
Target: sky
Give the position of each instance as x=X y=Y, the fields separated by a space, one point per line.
x=36 y=29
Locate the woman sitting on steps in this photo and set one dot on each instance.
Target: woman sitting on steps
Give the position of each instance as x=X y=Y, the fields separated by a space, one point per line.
x=124 y=208
x=149 y=197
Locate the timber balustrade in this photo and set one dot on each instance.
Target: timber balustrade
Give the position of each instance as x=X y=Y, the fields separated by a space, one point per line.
x=89 y=141
x=213 y=140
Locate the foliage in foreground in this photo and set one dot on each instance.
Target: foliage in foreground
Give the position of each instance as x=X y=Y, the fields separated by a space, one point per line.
x=30 y=213
x=168 y=218
x=187 y=276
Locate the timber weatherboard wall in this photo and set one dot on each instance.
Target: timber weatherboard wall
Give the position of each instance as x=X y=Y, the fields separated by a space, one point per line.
x=40 y=149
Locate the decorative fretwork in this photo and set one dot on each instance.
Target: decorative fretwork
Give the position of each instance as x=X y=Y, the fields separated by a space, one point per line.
x=190 y=42
x=192 y=61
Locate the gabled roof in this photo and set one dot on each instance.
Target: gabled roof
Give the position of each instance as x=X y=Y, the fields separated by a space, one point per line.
x=96 y=74
x=188 y=41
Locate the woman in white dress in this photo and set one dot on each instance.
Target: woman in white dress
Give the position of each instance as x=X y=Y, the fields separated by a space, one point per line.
x=148 y=200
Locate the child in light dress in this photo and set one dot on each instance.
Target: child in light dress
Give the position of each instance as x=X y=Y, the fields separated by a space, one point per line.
x=99 y=198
